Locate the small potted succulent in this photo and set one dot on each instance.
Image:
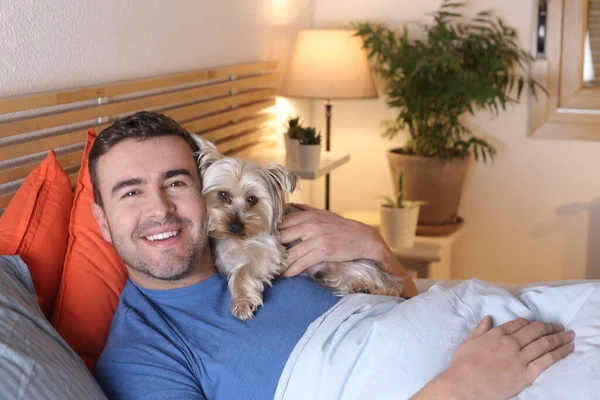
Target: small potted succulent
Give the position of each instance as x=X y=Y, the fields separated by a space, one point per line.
x=292 y=138
x=310 y=148
x=398 y=218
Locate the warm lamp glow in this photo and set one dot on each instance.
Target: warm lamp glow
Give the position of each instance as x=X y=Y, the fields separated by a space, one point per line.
x=328 y=64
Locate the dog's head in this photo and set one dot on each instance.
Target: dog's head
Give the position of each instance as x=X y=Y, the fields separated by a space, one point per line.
x=243 y=200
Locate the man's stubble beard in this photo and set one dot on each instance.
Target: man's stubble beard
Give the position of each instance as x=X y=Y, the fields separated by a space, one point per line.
x=138 y=262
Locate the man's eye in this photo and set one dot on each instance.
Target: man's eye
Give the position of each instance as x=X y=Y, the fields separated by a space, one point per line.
x=252 y=200
x=176 y=183
x=130 y=193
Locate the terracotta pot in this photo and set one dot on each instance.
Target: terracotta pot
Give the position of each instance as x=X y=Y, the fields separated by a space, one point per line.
x=438 y=182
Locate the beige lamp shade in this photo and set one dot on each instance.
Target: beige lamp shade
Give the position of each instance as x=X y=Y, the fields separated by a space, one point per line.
x=328 y=64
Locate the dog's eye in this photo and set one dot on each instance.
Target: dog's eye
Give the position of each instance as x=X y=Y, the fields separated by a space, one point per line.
x=252 y=200
x=224 y=196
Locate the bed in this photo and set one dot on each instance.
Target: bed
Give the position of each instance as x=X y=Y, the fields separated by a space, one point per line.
x=60 y=281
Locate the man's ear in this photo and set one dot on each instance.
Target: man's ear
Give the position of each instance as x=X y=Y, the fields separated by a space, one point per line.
x=101 y=221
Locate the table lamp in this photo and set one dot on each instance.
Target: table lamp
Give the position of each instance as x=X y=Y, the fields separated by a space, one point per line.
x=328 y=64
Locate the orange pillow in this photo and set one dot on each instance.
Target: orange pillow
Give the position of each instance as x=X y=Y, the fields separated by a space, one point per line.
x=35 y=226
x=93 y=276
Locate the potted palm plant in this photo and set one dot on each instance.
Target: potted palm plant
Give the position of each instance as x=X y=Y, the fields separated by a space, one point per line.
x=460 y=65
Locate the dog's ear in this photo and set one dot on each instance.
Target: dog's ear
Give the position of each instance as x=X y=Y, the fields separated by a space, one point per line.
x=285 y=180
x=202 y=143
x=207 y=155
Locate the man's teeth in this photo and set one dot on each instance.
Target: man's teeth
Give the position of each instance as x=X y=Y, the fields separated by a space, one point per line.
x=162 y=236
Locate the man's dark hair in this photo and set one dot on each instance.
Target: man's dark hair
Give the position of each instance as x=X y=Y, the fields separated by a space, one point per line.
x=141 y=126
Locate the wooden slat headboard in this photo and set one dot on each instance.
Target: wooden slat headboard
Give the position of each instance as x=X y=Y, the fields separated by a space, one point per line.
x=227 y=105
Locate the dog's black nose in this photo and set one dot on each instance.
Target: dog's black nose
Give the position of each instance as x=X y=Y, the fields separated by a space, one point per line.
x=235 y=226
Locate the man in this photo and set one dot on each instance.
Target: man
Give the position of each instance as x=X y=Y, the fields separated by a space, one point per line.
x=173 y=335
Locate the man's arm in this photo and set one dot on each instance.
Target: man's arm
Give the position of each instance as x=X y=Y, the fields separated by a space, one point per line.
x=329 y=237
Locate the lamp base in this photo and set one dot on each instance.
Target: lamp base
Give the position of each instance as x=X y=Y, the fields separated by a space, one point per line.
x=327 y=148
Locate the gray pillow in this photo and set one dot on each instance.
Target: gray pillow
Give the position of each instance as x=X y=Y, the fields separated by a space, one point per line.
x=35 y=362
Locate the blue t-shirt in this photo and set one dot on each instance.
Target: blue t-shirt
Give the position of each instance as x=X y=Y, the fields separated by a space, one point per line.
x=185 y=343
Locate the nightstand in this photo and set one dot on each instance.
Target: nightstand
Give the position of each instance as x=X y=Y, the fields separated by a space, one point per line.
x=430 y=257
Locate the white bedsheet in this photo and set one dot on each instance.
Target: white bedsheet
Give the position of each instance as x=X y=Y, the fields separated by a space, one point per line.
x=375 y=347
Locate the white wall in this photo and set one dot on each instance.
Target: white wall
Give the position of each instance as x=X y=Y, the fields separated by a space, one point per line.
x=48 y=45
x=52 y=44
x=533 y=215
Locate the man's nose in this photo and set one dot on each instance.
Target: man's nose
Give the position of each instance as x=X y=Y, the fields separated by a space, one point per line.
x=161 y=204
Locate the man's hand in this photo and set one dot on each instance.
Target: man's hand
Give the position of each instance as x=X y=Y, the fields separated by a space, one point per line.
x=499 y=363
x=328 y=237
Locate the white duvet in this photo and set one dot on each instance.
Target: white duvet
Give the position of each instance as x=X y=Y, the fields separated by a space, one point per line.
x=376 y=347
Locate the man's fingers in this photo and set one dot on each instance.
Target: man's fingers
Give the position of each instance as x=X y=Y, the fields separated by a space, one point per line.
x=535 y=368
x=300 y=249
x=291 y=234
x=484 y=326
x=303 y=207
x=299 y=266
x=296 y=218
x=305 y=256
x=306 y=214
x=535 y=331
x=510 y=327
x=545 y=345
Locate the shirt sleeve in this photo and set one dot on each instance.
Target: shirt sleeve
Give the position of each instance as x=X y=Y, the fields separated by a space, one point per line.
x=130 y=368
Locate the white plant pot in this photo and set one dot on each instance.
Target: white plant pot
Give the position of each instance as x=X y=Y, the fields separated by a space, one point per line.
x=399 y=225
x=309 y=156
x=292 y=148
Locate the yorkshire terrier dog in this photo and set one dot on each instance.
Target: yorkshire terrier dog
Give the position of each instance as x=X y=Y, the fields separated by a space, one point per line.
x=245 y=204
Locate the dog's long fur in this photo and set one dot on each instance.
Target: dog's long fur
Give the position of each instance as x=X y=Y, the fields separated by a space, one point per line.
x=239 y=193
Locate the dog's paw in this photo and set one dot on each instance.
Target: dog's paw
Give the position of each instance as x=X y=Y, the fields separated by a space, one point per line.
x=361 y=287
x=244 y=308
x=388 y=291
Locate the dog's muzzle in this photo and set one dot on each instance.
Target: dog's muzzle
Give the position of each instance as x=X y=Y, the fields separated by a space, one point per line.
x=235 y=226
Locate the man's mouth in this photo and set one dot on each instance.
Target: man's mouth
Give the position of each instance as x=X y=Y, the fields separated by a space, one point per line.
x=162 y=236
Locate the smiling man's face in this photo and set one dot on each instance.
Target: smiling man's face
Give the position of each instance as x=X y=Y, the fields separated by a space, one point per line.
x=153 y=211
